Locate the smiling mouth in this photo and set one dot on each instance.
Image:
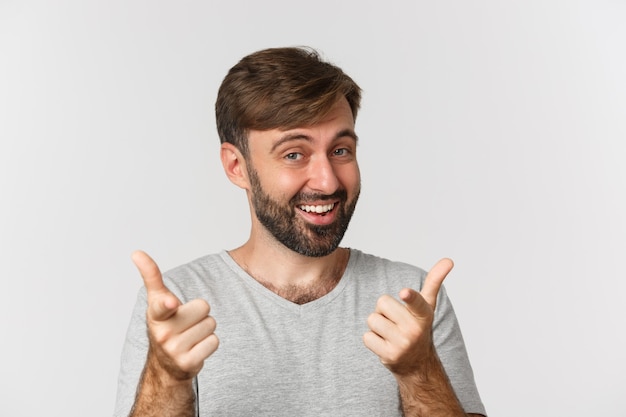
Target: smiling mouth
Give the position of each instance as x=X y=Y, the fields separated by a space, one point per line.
x=321 y=209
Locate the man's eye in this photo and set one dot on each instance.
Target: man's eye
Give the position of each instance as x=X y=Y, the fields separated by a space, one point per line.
x=293 y=156
x=340 y=152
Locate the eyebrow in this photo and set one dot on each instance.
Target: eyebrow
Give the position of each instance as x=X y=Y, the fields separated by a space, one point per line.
x=300 y=136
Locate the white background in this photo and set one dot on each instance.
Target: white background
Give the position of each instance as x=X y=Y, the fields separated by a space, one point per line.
x=491 y=132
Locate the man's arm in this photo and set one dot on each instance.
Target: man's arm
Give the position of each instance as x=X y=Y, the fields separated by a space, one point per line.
x=401 y=335
x=181 y=337
x=427 y=391
x=159 y=395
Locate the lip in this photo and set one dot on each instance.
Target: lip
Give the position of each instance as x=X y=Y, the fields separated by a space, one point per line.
x=319 y=219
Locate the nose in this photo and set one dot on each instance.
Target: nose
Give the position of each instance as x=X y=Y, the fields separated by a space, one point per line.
x=322 y=176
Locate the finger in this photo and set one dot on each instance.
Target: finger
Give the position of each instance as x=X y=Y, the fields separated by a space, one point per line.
x=392 y=320
x=150 y=273
x=192 y=361
x=162 y=303
x=391 y=312
x=205 y=348
x=195 y=334
x=415 y=303
x=189 y=314
x=421 y=304
x=388 y=306
x=434 y=279
x=381 y=325
x=375 y=343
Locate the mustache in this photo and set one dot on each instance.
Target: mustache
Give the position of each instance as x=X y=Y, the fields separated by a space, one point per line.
x=303 y=198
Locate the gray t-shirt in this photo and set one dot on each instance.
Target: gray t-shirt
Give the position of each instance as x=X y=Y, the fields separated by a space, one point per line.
x=277 y=358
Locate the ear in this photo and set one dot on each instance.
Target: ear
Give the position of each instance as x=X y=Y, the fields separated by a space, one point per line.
x=234 y=165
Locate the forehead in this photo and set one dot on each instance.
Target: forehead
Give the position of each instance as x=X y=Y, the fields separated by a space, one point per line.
x=338 y=122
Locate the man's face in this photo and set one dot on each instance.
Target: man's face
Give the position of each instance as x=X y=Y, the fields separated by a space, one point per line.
x=305 y=182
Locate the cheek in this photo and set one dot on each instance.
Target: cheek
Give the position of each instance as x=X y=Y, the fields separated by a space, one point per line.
x=286 y=184
x=350 y=176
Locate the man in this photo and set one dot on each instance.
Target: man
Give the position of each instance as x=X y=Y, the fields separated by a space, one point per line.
x=305 y=326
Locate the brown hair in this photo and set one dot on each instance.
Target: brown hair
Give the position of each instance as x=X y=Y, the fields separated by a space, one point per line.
x=279 y=88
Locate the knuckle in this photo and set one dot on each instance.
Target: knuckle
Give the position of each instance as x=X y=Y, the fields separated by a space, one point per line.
x=185 y=363
x=214 y=341
x=415 y=333
x=209 y=345
x=404 y=344
x=382 y=302
x=201 y=306
x=394 y=356
x=210 y=324
x=161 y=336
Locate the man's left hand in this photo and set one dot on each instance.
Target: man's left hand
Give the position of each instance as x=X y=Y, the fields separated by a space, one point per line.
x=401 y=334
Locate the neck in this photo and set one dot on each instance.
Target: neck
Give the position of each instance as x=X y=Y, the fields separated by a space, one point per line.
x=297 y=278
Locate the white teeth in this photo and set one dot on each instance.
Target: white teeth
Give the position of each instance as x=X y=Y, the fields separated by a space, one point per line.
x=317 y=209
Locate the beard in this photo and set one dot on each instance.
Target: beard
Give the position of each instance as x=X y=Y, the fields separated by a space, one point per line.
x=283 y=222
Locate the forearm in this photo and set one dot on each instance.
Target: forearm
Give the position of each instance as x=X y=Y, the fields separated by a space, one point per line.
x=159 y=395
x=426 y=391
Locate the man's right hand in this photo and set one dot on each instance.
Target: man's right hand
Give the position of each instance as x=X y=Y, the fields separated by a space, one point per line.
x=181 y=335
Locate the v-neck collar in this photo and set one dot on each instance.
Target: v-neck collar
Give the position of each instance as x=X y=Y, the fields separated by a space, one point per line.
x=299 y=309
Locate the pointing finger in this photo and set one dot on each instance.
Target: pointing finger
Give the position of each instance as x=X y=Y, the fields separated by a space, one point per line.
x=162 y=304
x=149 y=271
x=434 y=279
x=423 y=303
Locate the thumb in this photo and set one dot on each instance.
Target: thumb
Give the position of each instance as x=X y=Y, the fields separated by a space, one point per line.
x=434 y=279
x=162 y=304
x=422 y=304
